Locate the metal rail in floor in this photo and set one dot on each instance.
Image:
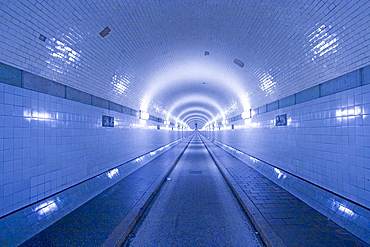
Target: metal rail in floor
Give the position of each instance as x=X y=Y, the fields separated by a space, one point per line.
x=195 y=207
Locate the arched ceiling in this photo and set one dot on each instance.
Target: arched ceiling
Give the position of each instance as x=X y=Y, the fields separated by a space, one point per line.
x=175 y=58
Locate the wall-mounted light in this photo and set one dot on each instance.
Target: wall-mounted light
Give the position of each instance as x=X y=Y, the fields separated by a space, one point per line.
x=245 y=114
x=144 y=115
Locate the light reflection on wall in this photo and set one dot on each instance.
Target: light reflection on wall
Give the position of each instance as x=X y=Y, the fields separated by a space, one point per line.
x=120 y=83
x=157 y=108
x=267 y=84
x=348 y=112
x=254 y=160
x=62 y=55
x=342 y=209
x=322 y=42
x=113 y=173
x=280 y=174
x=45 y=209
x=248 y=124
x=44 y=116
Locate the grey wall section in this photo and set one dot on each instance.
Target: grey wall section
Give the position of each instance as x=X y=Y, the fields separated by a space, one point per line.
x=24 y=79
x=345 y=82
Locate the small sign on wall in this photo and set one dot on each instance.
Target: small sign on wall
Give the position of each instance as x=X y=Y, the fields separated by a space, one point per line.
x=107 y=121
x=281 y=120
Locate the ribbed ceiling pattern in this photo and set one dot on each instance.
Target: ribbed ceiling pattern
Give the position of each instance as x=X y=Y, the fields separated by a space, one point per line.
x=154 y=58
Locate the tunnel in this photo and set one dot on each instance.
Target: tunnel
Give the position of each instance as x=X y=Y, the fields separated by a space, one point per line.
x=107 y=107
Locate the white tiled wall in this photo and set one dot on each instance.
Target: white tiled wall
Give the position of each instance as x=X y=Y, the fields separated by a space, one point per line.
x=48 y=144
x=326 y=141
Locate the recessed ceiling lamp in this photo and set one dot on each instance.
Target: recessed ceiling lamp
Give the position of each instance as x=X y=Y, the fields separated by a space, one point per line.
x=246 y=114
x=239 y=63
x=144 y=115
x=105 y=32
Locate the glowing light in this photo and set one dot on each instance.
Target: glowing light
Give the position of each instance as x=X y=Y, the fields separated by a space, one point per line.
x=198 y=98
x=111 y=174
x=249 y=124
x=120 y=83
x=245 y=114
x=144 y=115
x=267 y=83
x=349 y=112
x=46 y=208
x=248 y=121
x=323 y=42
x=279 y=173
x=289 y=121
x=47 y=117
x=343 y=209
x=63 y=53
x=198 y=111
x=194 y=70
x=166 y=122
x=139 y=159
x=253 y=113
x=254 y=160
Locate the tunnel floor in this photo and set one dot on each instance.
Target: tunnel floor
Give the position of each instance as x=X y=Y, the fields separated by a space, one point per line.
x=196 y=208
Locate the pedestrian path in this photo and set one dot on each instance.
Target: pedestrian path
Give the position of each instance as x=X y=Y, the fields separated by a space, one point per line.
x=283 y=219
x=103 y=220
x=195 y=207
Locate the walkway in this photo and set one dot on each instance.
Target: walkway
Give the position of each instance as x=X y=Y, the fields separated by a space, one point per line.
x=282 y=219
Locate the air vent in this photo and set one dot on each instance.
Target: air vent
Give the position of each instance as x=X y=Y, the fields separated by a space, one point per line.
x=42 y=37
x=239 y=63
x=105 y=32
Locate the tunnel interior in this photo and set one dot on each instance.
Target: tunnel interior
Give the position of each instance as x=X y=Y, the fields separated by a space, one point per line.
x=87 y=86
